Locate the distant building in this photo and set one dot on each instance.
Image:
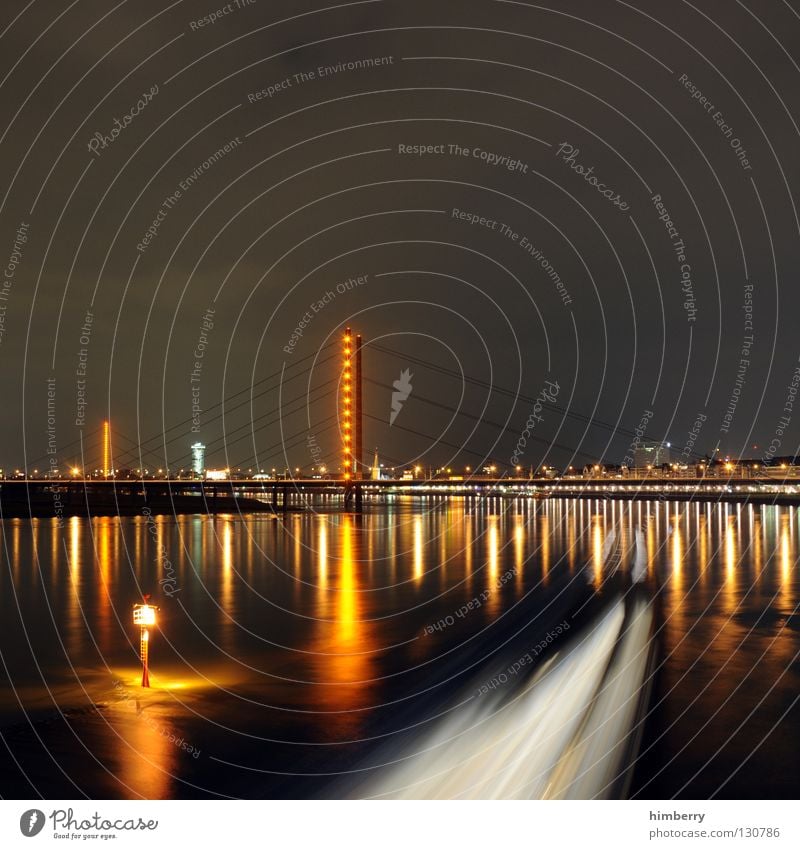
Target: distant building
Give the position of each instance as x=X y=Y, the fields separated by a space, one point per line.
x=198 y=459
x=652 y=454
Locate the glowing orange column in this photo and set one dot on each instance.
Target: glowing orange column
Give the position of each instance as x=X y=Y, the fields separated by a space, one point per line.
x=144 y=652
x=347 y=406
x=106 y=467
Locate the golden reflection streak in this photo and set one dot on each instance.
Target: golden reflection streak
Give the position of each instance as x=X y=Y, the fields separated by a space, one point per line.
x=597 y=551
x=544 y=531
x=786 y=560
x=419 y=569
x=651 y=544
x=226 y=582
x=702 y=539
x=54 y=552
x=492 y=564
x=468 y=542
x=147 y=764
x=35 y=559
x=492 y=554
x=730 y=585
x=297 y=533
x=342 y=644
x=519 y=549
x=347 y=595
x=251 y=543
x=572 y=534
x=322 y=556
x=16 y=554
x=391 y=535
x=444 y=539
x=758 y=546
x=76 y=581
x=161 y=544
x=677 y=622
x=677 y=555
x=202 y=535
x=103 y=531
x=139 y=529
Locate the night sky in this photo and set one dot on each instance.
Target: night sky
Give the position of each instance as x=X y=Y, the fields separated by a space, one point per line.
x=597 y=194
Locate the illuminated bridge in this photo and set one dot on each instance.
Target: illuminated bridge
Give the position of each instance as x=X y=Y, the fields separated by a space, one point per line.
x=350 y=486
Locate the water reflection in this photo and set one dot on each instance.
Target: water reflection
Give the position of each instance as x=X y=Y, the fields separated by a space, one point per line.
x=322 y=617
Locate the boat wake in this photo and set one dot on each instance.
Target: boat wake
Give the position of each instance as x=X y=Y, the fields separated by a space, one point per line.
x=569 y=730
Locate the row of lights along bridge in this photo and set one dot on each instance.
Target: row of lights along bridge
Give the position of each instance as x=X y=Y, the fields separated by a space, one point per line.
x=352 y=466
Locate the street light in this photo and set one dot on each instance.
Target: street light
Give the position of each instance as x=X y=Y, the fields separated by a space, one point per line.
x=144 y=615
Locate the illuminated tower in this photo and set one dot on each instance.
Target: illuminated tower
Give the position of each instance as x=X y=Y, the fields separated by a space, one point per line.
x=352 y=414
x=347 y=406
x=198 y=459
x=106 y=469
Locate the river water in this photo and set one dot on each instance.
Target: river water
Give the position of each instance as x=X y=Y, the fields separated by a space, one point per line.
x=318 y=654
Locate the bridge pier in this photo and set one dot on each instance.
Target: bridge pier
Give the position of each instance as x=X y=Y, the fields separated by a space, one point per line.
x=354 y=496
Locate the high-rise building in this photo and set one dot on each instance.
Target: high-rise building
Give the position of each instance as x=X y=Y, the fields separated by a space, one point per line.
x=651 y=454
x=198 y=459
